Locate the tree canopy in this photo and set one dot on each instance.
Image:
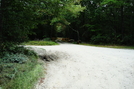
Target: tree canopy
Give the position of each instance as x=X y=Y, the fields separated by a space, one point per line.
x=106 y=22
x=94 y=21
x=19 y=17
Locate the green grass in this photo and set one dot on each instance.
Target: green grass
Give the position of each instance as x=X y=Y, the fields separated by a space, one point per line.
x=25 y=80
x=20 y=76
x=109 y=46
x=42 y=43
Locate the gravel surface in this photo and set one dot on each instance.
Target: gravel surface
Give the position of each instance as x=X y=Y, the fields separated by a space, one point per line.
x=87 y=67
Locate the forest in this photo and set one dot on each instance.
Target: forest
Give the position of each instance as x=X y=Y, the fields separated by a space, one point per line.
x=108 y=22
x=93 y=21
x=101 y=22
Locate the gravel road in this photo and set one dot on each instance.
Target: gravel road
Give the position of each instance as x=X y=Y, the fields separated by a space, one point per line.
x=87 y=67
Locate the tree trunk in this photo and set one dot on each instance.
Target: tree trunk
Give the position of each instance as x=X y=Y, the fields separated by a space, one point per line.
x=122 y=21
x=1 y=15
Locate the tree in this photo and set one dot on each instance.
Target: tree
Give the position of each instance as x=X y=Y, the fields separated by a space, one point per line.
x=55 y=16
x=19 y=17
x=106 y=21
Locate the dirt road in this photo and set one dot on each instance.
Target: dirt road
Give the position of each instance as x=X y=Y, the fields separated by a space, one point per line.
x=86 y=67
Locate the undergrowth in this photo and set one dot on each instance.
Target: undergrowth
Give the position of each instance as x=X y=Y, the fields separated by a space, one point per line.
x=19 y=69
x=42 y=43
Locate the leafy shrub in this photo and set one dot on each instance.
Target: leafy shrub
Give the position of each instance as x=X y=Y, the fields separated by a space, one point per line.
x=99 y=39
x=25 y=51
x=46 y=39
x=11 y=58
x=6 y=47
x=106 y=39
x=19 y=50
x=128 y=40
x=112 y=39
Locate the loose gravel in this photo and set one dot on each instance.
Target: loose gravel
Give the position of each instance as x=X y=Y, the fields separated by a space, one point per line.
x=87 y=67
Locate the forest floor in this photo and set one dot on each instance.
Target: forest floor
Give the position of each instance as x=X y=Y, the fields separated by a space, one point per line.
x=88 y=67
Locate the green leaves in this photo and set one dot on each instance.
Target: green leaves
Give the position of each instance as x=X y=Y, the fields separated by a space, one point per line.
x=18 y=18
x=117 y=3
x=74 y=9
x=11 y=58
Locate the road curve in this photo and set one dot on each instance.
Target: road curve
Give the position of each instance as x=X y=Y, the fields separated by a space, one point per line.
x=87 y=67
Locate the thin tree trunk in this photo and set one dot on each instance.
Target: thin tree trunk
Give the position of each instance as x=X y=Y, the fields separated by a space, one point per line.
x=1 y=24
x=122 y=21
x=1 y=15
x=78 y=36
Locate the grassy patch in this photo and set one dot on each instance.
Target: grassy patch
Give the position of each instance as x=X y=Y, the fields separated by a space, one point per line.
x=109 y=46
x=20 y=76
x=42 y=43
x=25 y=80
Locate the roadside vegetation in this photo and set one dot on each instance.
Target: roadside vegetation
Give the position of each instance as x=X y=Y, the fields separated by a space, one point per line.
x=42 y=43
x=109 y=46
x=19 y=69
x=19 y=66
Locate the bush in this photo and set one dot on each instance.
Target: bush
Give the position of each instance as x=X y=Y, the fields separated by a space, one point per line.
x=18 y=50
x=17 y=58
x=112 y=39
x=99 y=39
x=106 y=39
x=46 y=39
x=128 y=40
x=25 y=51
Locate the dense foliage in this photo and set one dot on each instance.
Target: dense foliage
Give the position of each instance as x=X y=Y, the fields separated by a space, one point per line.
x=106 y=22
x=102 y=22
x=18 y=18
x=95 y=21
